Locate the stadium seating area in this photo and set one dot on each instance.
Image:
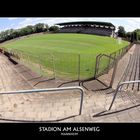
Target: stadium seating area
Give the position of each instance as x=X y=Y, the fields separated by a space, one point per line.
x=105 y=29
x=87 y=30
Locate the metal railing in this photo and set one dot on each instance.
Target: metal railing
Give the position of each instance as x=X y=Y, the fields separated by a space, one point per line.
x=117 y=89
x=106 y=67
x=50 y=90
x=66 y=66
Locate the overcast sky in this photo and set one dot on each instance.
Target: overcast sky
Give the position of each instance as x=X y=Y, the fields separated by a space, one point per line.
x=129 y=24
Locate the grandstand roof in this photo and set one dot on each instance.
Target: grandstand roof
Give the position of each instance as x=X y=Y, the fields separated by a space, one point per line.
x=87 y=22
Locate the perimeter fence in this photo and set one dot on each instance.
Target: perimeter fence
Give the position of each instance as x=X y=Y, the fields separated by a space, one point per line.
x=67 y=66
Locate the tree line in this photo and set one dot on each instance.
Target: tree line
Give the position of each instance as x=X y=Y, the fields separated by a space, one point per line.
x=130 y=36
x=30 y=29
x=41 y=27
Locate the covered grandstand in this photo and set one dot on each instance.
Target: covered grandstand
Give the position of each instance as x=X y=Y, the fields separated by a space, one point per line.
x=88 y=27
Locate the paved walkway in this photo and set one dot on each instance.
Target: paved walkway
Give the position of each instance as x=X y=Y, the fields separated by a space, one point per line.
x=132 y=71
x=63 y=107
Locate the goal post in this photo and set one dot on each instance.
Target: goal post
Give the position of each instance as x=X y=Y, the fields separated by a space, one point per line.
x=119 y=40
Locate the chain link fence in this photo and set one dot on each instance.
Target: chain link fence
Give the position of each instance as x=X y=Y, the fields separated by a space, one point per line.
x=105 y=62
x=67 y=66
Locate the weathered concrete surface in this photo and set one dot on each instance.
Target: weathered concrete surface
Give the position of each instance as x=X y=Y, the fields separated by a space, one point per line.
x=63 y=107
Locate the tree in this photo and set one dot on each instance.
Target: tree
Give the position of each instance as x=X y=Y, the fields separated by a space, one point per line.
x=13 y=33
x=26 y=30
x=16 y=33
x=135 y=35
x=3 y=36
x=128 y=35
x=29 y=29
x=40 y=27
x=23 y=31
x=54 y=29
x=121 y=31
x=138 y=34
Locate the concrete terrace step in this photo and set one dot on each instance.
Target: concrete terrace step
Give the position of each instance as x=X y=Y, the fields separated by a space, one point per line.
x=62 y=106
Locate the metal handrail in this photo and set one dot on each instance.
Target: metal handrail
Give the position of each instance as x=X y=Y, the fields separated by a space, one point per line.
x=98 y=57
x=50 y=90
x=118 y=87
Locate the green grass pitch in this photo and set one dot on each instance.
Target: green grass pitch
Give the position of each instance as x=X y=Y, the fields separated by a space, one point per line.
x=64 y=49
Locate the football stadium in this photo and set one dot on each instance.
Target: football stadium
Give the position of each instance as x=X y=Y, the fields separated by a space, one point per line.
x=81 y=72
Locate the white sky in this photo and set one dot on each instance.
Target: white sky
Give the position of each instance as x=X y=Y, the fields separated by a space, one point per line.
x=129 y=24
